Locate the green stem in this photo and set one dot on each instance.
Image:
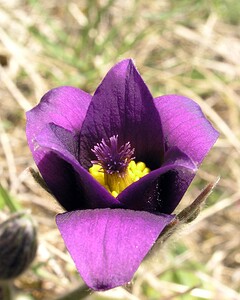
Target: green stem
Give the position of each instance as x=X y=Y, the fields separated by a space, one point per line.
x=6 y=291
x=12 y=205
x=80 y=292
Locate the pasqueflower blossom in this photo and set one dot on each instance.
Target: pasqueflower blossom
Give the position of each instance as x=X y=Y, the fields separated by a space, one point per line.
x=119 y=162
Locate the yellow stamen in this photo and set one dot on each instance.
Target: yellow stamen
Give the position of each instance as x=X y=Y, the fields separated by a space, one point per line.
x=115 y=183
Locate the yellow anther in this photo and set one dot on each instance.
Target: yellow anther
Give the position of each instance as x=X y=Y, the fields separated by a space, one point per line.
x=141 y=166
x=146 y=171
x=136 y=178
x=132 y=165
x=115 y=183
x=115 y=194
x=97 y=173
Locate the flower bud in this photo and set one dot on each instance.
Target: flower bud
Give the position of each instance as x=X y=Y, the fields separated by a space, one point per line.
x=18 y=245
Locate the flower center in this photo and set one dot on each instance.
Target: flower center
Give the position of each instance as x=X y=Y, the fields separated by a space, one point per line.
x=115 y=168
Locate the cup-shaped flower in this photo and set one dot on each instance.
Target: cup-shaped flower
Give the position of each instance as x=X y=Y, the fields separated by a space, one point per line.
x=119 y=162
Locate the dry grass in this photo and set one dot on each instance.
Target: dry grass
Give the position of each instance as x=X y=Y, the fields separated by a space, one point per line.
x=186 y=47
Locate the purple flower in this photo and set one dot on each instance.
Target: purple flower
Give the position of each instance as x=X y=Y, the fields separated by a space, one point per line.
x=119 y=162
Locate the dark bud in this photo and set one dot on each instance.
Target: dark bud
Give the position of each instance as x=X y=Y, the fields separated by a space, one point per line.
x=18 y=245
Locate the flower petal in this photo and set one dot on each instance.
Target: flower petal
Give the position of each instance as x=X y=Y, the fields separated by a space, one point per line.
x=65 y=106
x=162 y=189
x=122 y=105
x=70 y=183
x=185 y=126
x=108 y=245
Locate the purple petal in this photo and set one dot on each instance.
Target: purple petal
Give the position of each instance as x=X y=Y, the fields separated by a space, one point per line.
x=64 y=106
x=162 y=189
x=70 y=183
x=122 y=105
x=185 y=126
x=108 y=245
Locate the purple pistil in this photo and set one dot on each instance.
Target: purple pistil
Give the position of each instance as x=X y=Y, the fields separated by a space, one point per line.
x=112 y=158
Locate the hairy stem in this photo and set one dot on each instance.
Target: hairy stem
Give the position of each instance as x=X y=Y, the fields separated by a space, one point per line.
x=80 y=292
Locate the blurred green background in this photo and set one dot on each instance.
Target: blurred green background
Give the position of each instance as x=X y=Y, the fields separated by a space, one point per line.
x=189 y=47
